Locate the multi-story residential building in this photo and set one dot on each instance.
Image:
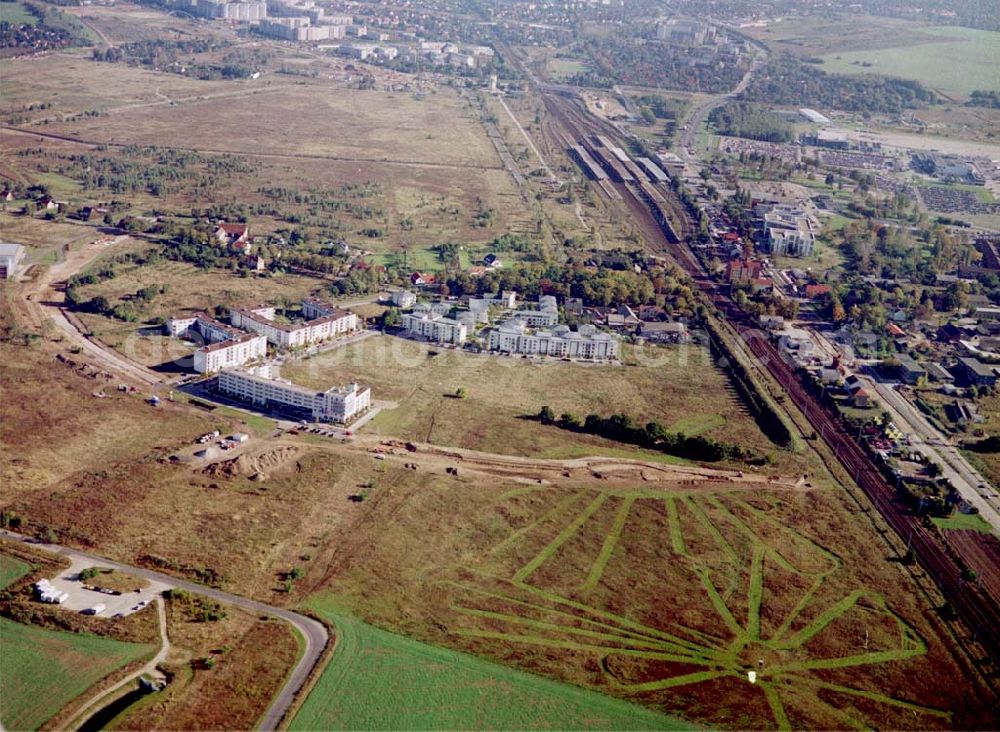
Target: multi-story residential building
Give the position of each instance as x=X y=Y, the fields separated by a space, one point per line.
x=436 y=328
x=546 y=315
x=230 y=353
x=225 y=346
x=325 y=322
x=515 y=336
x=404 y=299
x=788 y=232
x=263 y=387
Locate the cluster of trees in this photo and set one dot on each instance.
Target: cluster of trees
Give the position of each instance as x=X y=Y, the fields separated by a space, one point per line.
x=752 y=121
x=786 y=80
x=981 y=98
x=334 y=200
x=623 y=60
x=359 y=281
x=52 y=29
x=156 y=53
x=652 y=435
x=595 y=286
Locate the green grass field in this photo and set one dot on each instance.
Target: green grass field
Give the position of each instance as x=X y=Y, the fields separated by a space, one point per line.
x=967 y=62
x=971 y=521
x=378 y=680
x=11 y=569
x=16 y=14
x=43 y=670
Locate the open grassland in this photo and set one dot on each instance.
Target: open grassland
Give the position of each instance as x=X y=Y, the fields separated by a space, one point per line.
x=954 y=60
x=16 y=14
x=665 y=384
x=11 y=569
x=127 y=23
x=570 y=584
x=963 y=521
x=381 y=681
x=819 y=36
x=43 y=670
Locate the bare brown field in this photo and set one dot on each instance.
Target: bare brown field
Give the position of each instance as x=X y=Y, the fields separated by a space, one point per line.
x=127 y=23
x=284 y=117
x=570 y=583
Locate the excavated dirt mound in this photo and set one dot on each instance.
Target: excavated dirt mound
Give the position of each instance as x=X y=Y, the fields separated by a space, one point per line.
x=256 y=466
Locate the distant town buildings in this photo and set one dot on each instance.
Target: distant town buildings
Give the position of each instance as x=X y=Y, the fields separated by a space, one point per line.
x=263 y=387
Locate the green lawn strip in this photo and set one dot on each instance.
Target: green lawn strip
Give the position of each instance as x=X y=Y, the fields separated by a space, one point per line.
x=799 y=607
x=858 y=659
x=258 y=424
x=565 y=535
x=630 y=643
x=377 y=680
x=698 y=425
x=621 y=620
x=963 y=521
x=696 y=677
x=564 y=504
x=700 y=514
x=756 y=593
x=880 y=698
x=720 y=605
x=11 y=570
x=676 y=535
x=822 y=620
x=550 y=611
x=777 y=708
x=43 y=670
x=608 y=548
x=792 y=537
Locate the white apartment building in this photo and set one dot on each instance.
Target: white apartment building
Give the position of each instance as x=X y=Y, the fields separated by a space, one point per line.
x=225 y=346
x=546 y=315
x=404 y=299
x=587 y=342
x=436 y=328
x=334 y=323
x=229 y=354
x=788 y=232
x=263 y=387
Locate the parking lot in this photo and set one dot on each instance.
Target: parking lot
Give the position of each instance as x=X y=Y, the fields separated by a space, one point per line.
x=81 y=599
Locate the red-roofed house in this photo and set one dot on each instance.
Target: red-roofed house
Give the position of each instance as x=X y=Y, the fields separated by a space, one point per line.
x=234 y=236
x=814 y=291
x=740 y=271
x=861 y=400
x=419 y=278
x=894 y=330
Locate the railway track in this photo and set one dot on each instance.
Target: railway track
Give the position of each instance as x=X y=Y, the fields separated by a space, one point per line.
x=669 y=222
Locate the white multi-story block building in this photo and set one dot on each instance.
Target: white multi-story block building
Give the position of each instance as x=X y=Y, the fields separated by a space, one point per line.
x=404 y=299
x=10 y=260
x=436 y=328
x=263 y=387
x=229 y=354
x=225 y=346
x=587 y=342
x=546 y=315
x=325 y=322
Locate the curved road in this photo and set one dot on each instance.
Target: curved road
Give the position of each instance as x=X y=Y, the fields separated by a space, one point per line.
x=314 y=635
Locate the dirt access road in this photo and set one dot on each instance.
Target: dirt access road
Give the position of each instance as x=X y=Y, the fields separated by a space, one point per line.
x=42 y=300
x=315 y=637
x=101 y=699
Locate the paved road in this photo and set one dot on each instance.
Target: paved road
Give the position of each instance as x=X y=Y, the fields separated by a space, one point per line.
x=314 y=635
x=931 y=443
x=92 y=705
